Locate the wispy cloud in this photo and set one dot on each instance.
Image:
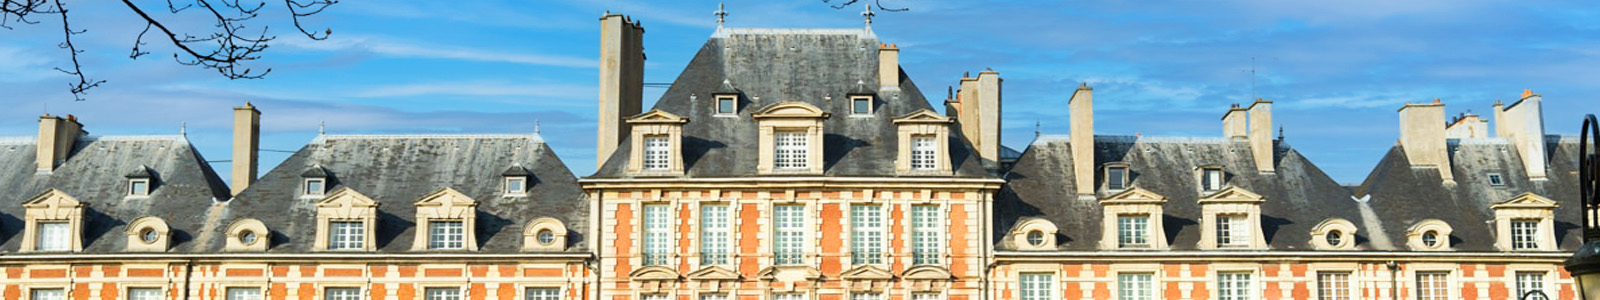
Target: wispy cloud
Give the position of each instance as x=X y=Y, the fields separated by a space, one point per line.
x=480 y=89
x=407 y=49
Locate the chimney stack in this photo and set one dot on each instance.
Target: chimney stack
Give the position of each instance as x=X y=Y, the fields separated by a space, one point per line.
x=246 y=143
x=1260 y=135
x=888 y=67
x=1422 y=137
x=1233 y=123
x=1081 y=111
x=56 y=138
x=1522 y=123
x=1467 y=126
x=966 y=104
x=988 y=120
x=621 y=80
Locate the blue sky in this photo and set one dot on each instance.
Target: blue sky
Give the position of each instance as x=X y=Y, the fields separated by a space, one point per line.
x=1337 y=70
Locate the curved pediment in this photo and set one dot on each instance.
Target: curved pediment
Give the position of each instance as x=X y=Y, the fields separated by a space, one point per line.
x=1233 y=194
x=923 y=116
x=653 y=273
x=791 y=109
x=927 y=272
x=866 y=272
x=1135 y=195
x=657 y=116
x=714 y=273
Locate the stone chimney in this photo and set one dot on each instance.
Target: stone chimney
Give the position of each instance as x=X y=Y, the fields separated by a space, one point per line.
x=1522 y=123
x=888 y=67
x=1467 y=126
x=246 y=143
x=621 y=80
x=988 y=119
x=1233 y=123
x=1081 y=111
x=966 y=104
x=1260 y=135
x=56 y=138
x=1422 y=137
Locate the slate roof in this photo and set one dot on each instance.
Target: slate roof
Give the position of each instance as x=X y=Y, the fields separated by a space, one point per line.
x=185 y=188
x=1402 y=195
x=774 y=65
x=396 y=171
x=1041 y=185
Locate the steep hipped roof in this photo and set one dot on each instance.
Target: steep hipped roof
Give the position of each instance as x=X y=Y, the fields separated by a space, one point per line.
x=396 y=171
x=1401 y=196
x=184 y=188
x=767 y=66
x=1298 y=195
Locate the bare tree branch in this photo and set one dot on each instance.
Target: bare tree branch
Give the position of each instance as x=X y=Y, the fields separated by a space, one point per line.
x=878 y=3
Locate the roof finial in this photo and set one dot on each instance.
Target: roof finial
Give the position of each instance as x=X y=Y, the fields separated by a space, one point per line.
x=183 y=128
x=536 y=126
x=321 y=126
x=1035 y=129
x=1280 y=133
x=720 y=13
x=866 y=11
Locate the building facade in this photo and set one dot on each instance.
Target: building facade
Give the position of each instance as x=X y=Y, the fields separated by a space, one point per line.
x=794 y=164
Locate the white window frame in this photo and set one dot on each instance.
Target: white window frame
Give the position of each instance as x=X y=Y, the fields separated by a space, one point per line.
x=541 y=293
x=519 y=188
x=657 y=243
x=927 y=234
x=59 y=293
x=320 y=190
x=1233 y=230
x=657 y=152
x=234 y=293
x=328 y=293
x=655 y=296
x=1136 y=286
x=441 y=293
x=924 y=152
x=789 y=234
x=1525 y=234
x=149 y=293
x=343 y=236
x=1422 y=286
x=1036 y=286
x=866 y=234
x=1133 y=230
x=1527 y=281
x=866 y=296
x=715 y=234
x=853 y=105
x=1211 y=179
x=791 y=150
x=441 y=237
x=927 y=296
x=733 y=104
x=1334 y=285
x=53 y=235
x=138 y=187
x=788 y=296
x=1233 y=285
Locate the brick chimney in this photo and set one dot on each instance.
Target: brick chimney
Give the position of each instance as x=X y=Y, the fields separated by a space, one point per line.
x=1260 y=135
x=1522 y=123
x=1081 y=111
x=621 y=80
x=1422 y=137
x=57 y=135
x=246 y=144
x=1233 y=123
x=888 y=67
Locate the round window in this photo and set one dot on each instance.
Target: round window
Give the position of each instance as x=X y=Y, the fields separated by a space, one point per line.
x=546 y=237
x=1036 y=238
x=149 y=235
x=247 y=237
x=1334 y=237
x=1430 y=238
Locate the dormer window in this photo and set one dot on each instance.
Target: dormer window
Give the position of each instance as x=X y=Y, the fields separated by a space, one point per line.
x=921 y=152
x=314 y=182
x=346 y=220
x=516 y=180
x=727 y=104
x=656 y=137
x=139 y=182
x=445 y=221
x=656 y=152
x=1525 y=223
x=790 y=138
x=1116 y=177
x=860 y=105
x=315 y=186
x=1496 y=180
x=1132 y=220
x=1429 y=235
x=1211 y=179
x=1232 y=230
x=53 y=236
x=1333 y=234
x=1231 y=219
x=53 y=220
x=1133 y=230
x=791 y=148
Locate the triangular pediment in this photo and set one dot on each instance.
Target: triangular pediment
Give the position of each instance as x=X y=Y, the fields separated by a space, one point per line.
x=446 y=198
x=866 y=272
x=714 y=273
x=657 y=116
x=791 y=109
x=923 y=116
x=1233 y=194
x=927 y=272
x=346 y=197
x=1526 y=200
x=653 y=273
x=52 y=199
x=1135 y=195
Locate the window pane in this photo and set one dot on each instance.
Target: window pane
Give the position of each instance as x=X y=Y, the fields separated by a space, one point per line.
x=655 y=296
x=789 y=296
x=346 y=235
x=48 y=294
x=144 y=294
x=1135 y=287
x=542 y=294
x=1233 y=286
x=1333 y=286
x=714 y=232
x=516 y=185
x=138 y=187
x=866 y=234
x=1116 y=178
x=1036 y=286
x=244 y=294
x=714 y=297
x=441 y=294
x=861 y=105
x=927 y=239
x=790 y=150
x=790 y=234
x=866 y=296
x=54 y=236
x=1132 y=230
x=1212 y=179
x=923 y=152
x=1528 y=282
x=1433 y=286
x=657 y=234
x=1524 y=234
x=656 y=152
x=1232 y=230
x=314 y=187
x=342 y=294
x=445 y=235
x=927 y=296
x=725 y=105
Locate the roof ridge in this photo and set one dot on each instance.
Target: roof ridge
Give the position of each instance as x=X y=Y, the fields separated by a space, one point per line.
x=17 y=140
x=532 y=136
